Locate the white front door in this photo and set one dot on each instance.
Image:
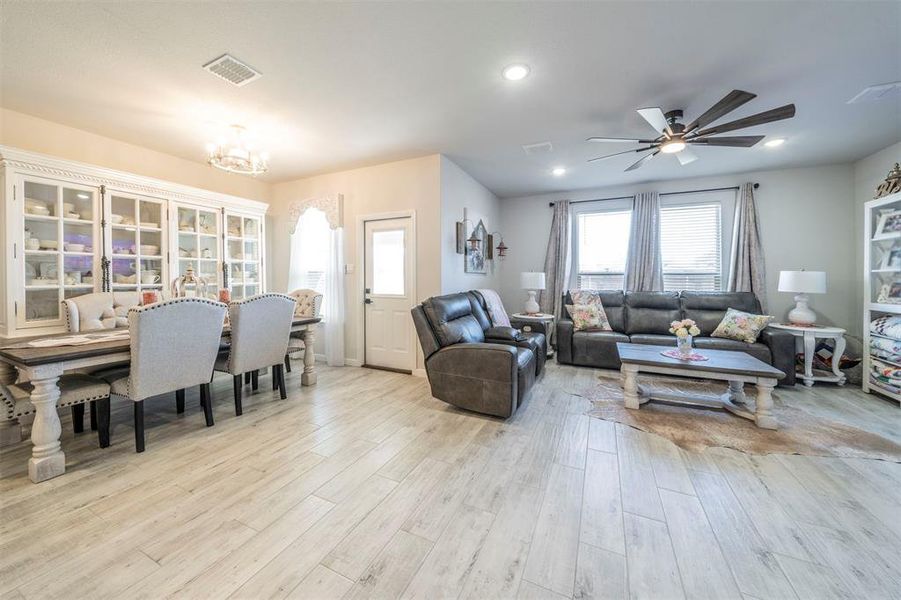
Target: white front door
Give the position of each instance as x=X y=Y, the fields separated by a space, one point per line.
x=388 y=294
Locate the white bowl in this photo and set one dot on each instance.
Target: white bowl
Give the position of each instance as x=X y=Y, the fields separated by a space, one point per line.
x=39 y=210
x=116 y=219
x=72 y=215
x=150 y=224
x=87 y=215
x=149 y=250
x=74 y=247
x=68 y=207
x=48 y=245
x=31 y=202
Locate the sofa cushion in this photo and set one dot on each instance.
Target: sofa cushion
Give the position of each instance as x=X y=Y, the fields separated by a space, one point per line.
x=525 y=359
x=588 y=317
x=651 y=312
x=452 y=319
x=655 y=339
x=757 y=350
x=738 y=325
x=597 y=348
x=479 y=310
x=611 y=300
x=707 y=309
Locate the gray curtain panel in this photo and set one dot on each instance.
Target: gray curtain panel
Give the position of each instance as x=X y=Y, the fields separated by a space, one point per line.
x=556 y=262
x=644 y=267
x=747 y=273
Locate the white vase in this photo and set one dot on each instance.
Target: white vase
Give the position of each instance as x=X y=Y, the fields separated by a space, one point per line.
x=684 y=345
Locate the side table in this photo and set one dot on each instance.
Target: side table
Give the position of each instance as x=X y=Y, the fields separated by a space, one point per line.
x=537 y=323
x=807 y=337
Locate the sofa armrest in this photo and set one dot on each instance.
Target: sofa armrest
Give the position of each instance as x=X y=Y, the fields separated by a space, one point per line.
x=564 y=340
x=782 y=349
x=503 y=334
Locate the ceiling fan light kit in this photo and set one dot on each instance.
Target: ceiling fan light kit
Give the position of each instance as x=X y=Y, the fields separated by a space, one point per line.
x=676 y=138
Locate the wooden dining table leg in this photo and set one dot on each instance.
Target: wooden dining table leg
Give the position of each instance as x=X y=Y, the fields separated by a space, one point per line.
x=309 y=357
x=10 y=429
x=47 y=458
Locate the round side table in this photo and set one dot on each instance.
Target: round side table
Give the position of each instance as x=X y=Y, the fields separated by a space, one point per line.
x=807 y=338
x=538 y=323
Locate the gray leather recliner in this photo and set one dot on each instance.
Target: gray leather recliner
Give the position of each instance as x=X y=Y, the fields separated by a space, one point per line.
x=471 y=363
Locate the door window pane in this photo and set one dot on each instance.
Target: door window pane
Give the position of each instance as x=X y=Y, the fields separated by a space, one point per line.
x=388 y=262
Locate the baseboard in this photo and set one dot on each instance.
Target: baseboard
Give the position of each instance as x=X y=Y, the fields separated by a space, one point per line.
x=352 y=362
x=419 y=373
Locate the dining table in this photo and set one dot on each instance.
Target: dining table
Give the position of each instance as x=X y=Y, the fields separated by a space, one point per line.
x=42 y=360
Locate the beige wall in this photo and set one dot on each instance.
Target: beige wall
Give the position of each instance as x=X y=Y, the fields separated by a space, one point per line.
x=462 y=195
x=37 y=135
x=398 y=186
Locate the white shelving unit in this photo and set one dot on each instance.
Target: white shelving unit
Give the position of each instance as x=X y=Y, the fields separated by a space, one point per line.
x=882 y=273
x=95 y=228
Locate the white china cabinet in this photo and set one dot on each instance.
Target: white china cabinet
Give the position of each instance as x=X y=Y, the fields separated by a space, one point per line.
x=69 y=228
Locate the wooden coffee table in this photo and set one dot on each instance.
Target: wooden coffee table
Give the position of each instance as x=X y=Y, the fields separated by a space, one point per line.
x=737 y=368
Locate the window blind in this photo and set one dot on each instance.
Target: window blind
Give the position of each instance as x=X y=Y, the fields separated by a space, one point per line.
x=691 y=247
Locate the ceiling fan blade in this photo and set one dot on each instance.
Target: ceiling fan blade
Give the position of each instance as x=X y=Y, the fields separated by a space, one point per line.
x=609 y=139
x=655 y=117
x=642 y=161
x=776 y=114
x=739 y=141
x=620 y=153
x=686 y=156
x=730 y=102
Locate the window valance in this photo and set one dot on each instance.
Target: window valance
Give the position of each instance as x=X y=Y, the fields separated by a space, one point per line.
x=332 y=205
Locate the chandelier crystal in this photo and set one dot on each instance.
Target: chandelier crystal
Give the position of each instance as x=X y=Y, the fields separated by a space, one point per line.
x=235 y=156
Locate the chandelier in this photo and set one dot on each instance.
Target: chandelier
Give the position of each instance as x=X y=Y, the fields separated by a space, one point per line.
x=235 y=156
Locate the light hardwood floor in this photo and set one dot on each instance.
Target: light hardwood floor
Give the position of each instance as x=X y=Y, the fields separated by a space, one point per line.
x=365 y=487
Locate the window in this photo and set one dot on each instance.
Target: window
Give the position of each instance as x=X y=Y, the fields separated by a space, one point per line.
x=691 y=247
x=388 y=262
x=603 y=241
x=310 y=253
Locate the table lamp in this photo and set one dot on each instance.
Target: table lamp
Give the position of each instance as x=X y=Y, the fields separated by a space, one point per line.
x=802 y=283
x=531 y=281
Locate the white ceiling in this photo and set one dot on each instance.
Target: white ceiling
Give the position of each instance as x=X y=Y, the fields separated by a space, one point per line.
x=346 y=85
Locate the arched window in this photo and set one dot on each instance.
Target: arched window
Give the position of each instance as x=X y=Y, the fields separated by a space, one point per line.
x=310 y=254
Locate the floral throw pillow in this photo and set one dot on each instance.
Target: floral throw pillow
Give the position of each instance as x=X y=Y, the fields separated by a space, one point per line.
x=742 y=326
x=585 y=297
x=588 y=317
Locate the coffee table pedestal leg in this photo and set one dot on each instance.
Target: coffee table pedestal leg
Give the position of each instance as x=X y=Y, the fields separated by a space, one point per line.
x=764 y=414
x=630 y=386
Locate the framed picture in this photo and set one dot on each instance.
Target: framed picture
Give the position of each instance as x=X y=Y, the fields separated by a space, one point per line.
x=891 y=261
x=894 y=292
x=889 y=225
x=475 y=257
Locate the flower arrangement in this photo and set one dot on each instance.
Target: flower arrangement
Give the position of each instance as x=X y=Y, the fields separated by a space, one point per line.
x=684 y=328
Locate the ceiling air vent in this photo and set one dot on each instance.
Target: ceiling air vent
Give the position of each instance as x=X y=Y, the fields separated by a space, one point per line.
x=232 y=70
x=875 y=93
x=539 y=148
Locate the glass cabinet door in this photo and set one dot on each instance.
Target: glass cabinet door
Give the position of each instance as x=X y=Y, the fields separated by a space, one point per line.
x=60 y=249
x=243 y=248
x=137 y=243
x=198 y=233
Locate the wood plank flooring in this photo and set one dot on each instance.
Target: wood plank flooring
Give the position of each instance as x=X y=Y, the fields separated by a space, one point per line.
x=366 y=487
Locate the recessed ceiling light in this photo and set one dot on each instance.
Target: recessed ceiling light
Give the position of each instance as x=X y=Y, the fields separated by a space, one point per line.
x=558 y=171
x=516 y=72
x=774 y=142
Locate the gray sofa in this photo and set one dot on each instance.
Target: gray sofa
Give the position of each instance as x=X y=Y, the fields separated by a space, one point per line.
x=470 y=362
x=644 y=318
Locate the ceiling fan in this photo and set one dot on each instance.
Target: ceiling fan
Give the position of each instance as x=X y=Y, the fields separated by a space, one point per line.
x=675 y=138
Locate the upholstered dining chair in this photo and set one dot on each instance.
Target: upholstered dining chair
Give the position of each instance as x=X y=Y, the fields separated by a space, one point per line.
x=94 y=312
x=309 y=304
x=75 y=390
x=174 y=345
x=260 y=326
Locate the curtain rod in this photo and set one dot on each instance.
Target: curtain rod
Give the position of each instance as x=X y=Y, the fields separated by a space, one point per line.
x=720 y=189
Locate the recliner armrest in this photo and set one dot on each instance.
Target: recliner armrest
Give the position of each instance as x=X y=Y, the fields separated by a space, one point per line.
x=504 y=334
x=782 y=349
x=492 y=362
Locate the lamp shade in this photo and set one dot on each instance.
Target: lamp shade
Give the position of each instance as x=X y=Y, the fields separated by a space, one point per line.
x=531 y=280
x=802 y=282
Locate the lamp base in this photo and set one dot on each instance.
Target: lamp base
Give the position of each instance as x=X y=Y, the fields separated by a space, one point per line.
x=532 y=307
x=801 y=314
